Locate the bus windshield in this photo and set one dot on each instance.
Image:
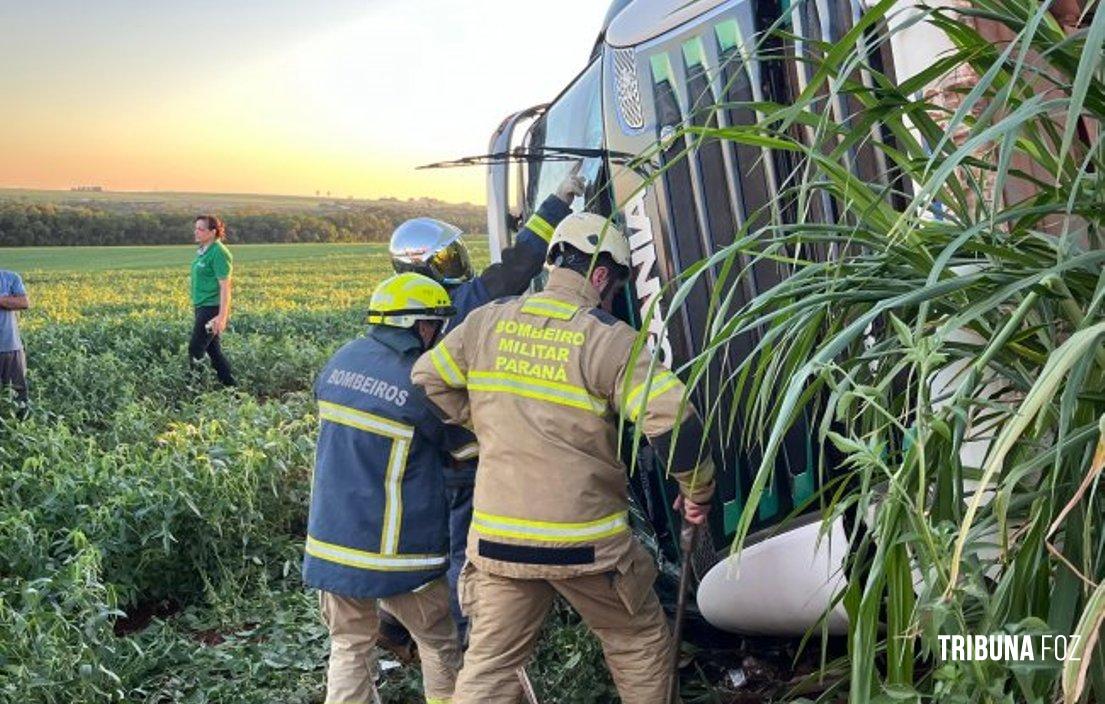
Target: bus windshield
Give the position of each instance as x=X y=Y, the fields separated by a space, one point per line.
x=573 y=121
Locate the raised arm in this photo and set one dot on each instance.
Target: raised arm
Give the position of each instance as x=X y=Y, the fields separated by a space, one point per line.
x=523 y=260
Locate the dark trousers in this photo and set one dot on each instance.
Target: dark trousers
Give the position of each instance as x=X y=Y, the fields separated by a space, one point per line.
x=460 y=516
x=203 y=341
x=13 y=373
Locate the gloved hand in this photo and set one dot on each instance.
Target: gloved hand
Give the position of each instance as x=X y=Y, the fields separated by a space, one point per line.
x=694 y=513
x=573 y=185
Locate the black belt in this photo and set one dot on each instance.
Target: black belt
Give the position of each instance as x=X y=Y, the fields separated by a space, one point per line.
x=528 y=554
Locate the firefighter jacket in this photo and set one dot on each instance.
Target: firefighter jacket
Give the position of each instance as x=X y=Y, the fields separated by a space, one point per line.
x=542 y=380
x=378 y=518
x=520 y=263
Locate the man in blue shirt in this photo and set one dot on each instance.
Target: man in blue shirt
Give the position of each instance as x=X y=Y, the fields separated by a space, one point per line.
x=13 y=361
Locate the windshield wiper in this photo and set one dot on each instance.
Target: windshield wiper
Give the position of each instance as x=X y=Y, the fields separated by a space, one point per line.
x=535 y=154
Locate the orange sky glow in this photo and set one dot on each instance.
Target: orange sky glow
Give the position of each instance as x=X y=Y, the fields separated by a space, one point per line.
x=339 y=96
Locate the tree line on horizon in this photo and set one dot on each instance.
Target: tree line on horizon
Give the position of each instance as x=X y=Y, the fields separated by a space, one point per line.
x=25 y=224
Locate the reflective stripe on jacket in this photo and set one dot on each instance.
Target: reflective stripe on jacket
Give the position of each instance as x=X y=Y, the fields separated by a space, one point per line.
x=542 y=380
x=378 y=518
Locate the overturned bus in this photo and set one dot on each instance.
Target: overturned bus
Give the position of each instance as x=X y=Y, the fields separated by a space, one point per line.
x=657 y=67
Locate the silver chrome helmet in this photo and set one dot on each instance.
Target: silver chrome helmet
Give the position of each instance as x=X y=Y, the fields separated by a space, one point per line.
x=432 y=248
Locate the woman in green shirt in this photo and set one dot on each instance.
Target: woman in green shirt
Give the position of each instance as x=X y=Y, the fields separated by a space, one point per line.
x=211 y=271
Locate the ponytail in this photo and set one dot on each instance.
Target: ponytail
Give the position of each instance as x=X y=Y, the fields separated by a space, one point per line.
x=213 y=222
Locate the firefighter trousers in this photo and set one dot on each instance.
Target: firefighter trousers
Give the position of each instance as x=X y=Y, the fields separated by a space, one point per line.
x=506 y=613
x=354 y=624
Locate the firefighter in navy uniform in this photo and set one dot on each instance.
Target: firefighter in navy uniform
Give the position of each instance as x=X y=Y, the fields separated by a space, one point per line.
x=542 y=380
x=435 y=249
x=377 y=531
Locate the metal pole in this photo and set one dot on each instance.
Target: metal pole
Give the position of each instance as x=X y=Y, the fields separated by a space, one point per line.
x=528 y=692
x=687 y=534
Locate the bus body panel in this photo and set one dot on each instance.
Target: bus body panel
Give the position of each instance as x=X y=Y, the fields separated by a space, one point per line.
x=689 y=201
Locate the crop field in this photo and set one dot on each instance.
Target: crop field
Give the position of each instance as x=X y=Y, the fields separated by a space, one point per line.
x=87 y=259
x=151 y=526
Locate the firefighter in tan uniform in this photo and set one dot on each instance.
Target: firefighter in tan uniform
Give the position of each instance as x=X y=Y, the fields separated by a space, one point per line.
x=542 y=380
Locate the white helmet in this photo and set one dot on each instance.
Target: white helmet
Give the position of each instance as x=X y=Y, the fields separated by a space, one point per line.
x=590 y=233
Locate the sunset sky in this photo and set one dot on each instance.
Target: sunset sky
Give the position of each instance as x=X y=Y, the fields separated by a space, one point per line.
x=274 y=96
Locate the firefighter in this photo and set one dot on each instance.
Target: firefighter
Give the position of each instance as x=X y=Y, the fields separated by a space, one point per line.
x=542 y=380
x=377 y=530
x=435 y=249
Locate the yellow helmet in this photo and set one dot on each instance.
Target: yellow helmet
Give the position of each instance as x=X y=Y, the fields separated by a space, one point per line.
x=402 y=300
x=589 y=233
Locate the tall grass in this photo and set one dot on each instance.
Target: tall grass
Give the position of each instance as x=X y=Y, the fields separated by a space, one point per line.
x=946 y=341
x=134 y=490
